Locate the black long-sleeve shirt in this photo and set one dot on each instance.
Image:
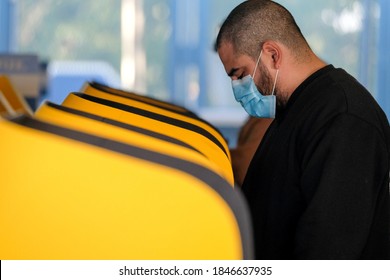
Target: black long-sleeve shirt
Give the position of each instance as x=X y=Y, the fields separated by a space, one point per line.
x=318 y=185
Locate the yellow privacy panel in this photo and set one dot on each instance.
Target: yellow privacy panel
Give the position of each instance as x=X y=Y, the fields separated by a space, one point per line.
x=63 y=198
x=73 y=119
x=11 y=99
x=3 y=107
x=152 y=108
x=91 y=86
x=185 y=132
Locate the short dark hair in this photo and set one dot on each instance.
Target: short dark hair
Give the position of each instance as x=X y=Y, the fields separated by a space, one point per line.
x=253 y=22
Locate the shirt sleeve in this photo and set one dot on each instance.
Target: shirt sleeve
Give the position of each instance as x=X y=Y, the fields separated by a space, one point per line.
x=344 y=172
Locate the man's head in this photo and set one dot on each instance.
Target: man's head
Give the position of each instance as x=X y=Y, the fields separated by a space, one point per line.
x=254 y=22
x=264 y=26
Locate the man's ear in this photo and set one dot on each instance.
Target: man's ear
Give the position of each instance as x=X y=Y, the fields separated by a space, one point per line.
x=274 y=53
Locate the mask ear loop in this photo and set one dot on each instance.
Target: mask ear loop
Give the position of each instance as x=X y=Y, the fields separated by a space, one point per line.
x=276 y=78
x=257 y=64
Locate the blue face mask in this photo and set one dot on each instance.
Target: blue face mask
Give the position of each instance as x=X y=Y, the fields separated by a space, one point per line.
x=255 y=103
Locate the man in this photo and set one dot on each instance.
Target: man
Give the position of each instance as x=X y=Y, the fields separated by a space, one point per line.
x=318 y=184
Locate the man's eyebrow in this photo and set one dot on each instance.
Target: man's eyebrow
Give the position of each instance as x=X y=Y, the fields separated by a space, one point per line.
x=232 y=72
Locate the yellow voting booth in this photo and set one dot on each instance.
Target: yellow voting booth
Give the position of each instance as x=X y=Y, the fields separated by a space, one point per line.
x=119 y=131
x=99 y=198
x=90 y=87
x=187 y=132
x=11 y=101
x=131 y=100
x=4 y=107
